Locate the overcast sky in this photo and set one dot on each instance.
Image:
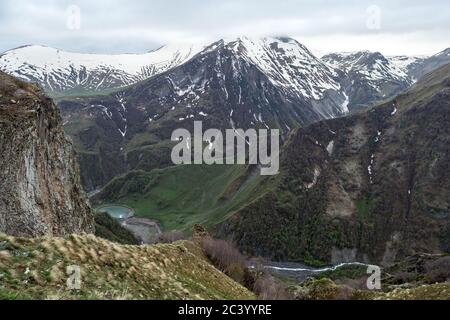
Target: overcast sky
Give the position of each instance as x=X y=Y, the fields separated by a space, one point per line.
x=413 y=27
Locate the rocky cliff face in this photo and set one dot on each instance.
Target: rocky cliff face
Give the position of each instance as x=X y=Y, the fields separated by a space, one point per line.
x=40 y=191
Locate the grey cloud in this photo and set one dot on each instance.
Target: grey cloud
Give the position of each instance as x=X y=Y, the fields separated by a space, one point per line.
x=136 y=26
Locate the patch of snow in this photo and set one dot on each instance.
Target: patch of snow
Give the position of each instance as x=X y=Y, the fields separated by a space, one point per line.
x=124 y=133
x=370 y=168
x=240 y=95
x=330 y=147
x=344 y=106
x=403 y=62
x=315 y=178
x=377 y=138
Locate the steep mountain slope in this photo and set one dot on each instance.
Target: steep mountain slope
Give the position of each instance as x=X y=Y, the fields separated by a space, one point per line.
x=369 y=187
x=369 y=76
x=37 y=269
x=40 y=190
x=408 y=63
x=418 y=70
x=59 y=71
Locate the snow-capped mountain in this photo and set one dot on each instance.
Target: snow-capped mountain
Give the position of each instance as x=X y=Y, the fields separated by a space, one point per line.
x=62 y=71
x=235 y=83
x=262 y=74
x=369 y=76
x=288 y=64
x=373 y=65
x=270 y=82
x=240 y=83
x=407 y=63
x=429 y=64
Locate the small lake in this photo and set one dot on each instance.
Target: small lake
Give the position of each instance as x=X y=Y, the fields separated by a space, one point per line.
x=117 y=212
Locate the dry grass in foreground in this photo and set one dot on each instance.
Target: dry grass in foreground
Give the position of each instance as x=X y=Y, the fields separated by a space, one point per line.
x=37 y=269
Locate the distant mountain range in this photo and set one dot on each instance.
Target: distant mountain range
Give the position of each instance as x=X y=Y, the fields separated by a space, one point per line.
x=120 y=110
x=332 y=85
x=66 y=72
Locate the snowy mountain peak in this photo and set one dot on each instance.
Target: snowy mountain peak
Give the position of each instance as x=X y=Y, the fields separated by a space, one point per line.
x=287 y=63
x=445 y=52
x=372 y=65
x=59 y=70
x=349 y=80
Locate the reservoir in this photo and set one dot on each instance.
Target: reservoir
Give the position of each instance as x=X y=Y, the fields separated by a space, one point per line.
x=117 y=212
x=147 y=230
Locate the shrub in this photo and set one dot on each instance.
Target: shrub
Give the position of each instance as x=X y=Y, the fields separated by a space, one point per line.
x=225 y=257
x=267 y=288
x=438 y=270
x=404 y=277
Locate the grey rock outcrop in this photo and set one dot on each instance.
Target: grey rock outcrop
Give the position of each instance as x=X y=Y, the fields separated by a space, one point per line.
x=40 y=190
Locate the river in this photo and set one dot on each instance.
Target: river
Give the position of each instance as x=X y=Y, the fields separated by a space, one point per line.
x=299 y=271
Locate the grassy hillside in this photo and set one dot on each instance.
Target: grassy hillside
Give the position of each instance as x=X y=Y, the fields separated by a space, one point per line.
x=36 y=269
x=182 y=196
